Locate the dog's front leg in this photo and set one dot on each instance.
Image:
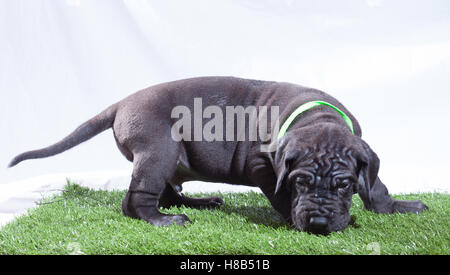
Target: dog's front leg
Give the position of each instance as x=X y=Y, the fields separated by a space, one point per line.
x=379 y=200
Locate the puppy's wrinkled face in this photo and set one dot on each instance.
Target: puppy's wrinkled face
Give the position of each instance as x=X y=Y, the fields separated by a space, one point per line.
x=322 y=182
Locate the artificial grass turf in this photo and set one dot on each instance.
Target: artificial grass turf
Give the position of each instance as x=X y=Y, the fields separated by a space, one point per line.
x=83 y=221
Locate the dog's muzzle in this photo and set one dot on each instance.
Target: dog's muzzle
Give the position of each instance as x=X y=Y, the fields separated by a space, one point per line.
x=318 y=214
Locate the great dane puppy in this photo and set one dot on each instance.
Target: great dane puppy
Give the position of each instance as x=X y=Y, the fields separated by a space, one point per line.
x=309 y=177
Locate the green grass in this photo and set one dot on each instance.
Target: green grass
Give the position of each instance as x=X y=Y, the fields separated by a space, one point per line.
x=91 y=222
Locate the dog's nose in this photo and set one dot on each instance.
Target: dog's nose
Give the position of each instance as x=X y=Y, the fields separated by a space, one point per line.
x=318 y=223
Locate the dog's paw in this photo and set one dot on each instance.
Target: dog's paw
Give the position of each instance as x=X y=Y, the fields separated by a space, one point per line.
x=409 y=206
x=213 y=202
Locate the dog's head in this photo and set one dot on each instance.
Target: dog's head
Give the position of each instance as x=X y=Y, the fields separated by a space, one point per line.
x=321 y=170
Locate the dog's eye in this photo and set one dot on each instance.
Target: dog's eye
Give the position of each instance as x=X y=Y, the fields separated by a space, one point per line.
x=342 y=182
x=303 y=180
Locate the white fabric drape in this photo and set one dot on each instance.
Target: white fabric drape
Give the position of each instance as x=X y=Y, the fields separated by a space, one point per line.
x=61 y=62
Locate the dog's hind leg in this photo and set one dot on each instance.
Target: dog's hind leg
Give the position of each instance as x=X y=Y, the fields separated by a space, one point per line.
x=150 y=173
x=170 y=197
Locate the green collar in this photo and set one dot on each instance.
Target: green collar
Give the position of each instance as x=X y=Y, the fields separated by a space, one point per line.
x=305 y=107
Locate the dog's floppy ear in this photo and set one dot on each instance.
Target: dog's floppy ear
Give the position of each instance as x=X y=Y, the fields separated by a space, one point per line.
x=369 y=165
x=283 y=167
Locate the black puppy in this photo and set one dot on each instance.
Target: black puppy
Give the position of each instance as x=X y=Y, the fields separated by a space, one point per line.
x=315 y=166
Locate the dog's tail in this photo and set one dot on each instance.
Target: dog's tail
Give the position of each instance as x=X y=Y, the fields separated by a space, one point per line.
x=85 y=131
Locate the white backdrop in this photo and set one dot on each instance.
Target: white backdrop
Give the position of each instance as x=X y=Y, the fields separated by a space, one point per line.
x=61 y=62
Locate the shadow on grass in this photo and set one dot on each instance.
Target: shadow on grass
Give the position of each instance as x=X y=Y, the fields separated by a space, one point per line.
x=263 y=215
x=267 y=216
